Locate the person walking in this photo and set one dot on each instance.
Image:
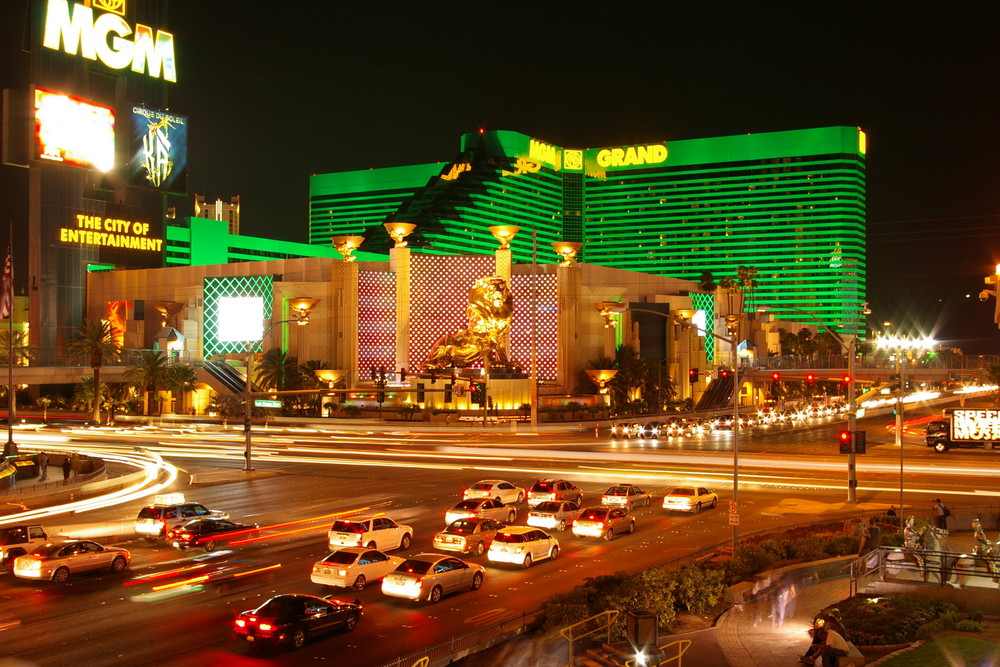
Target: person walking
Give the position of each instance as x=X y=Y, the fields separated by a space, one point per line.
x=43 y=466
x=940 y=514
x=66 y=468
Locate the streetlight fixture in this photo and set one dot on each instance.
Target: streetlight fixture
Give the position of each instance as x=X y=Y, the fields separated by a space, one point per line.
x=301 y=306
x=898 y=345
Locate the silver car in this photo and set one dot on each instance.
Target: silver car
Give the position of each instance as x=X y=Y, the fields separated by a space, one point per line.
x=57 y=560
x=432 y=576
x=603 y=522
x=484 y=508
x=554 y=515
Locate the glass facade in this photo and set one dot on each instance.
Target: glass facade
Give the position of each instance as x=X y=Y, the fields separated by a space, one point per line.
x=790 y=205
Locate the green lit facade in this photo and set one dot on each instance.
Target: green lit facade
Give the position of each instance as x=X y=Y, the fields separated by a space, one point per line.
x=789 y=204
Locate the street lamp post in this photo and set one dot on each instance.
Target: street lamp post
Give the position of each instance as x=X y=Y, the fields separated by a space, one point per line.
x=301 y=307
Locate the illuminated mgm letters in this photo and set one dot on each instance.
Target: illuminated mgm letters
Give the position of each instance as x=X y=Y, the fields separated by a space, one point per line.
x=104 y=38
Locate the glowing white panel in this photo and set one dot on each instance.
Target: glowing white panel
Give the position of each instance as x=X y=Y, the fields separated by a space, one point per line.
x=73 y=131
x=699 y=321
x=241 y=318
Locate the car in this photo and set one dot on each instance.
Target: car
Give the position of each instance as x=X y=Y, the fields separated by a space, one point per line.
x=603 y=522
x=472 y=535
x=353 y=567
x=628 y=496
x=721 y=422
x=486 y=508
x=545 y=490
x=170 y=511
x=554 y=514
x=625 y=430
x=690 y=499
x=292 y=618
x=18 y=540
x=497 y=489
x=59 y=559
x=651 y=430
x=369 y=530
x=522 y=545
x=431 y=576
x=207 y=533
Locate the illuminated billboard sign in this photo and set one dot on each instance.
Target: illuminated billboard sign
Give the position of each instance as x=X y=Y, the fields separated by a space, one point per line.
x=75 y=132
x=235 y=309
x=976 y=425
x=158 y=155
x=107 y=37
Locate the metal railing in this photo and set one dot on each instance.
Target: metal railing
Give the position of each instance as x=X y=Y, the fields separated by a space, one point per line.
x=599 y=622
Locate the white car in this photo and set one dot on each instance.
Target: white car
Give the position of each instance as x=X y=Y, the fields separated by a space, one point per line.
x=690 y=499
x=353 y=567
x=484 y=507
x=169 y=512
x=59 y=559
x=498 y=489
x=554 y=514
x=522 y=545
x=628 y=496
x=374 y=532
x=431 y=576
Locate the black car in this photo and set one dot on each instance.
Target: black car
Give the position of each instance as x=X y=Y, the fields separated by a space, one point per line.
x=207 y=533
x=291 y=619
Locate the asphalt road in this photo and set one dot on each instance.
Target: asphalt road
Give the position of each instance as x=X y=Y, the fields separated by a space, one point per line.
x=302 y=478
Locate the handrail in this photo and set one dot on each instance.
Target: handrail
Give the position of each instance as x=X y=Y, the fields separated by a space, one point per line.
x=567 y=632
x=682 y=646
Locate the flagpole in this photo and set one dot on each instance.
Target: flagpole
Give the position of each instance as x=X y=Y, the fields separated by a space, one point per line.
x=11 y=448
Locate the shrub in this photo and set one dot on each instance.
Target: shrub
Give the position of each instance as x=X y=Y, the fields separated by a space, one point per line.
x=810 y=548
x=969 y=625
x=697 y=587
x=748 y=560
x=887 y=620
x=894 y=539
x=842 y=545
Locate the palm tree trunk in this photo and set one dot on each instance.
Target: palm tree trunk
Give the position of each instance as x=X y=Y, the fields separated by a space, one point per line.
x=97 y=395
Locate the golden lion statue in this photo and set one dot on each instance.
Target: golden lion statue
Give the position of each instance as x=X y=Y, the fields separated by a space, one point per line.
x=490 y=308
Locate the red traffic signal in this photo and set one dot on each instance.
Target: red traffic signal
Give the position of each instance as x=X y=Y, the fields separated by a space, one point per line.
x=844 y=440
x=693 y=375
x=724 y=373
x=810 y=378
x=775 y=377
x=847 y=379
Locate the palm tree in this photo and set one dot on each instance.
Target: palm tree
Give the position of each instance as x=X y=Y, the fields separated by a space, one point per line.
x=148 y=373
x=226 y=406
x=44 y=402
x=22 y=354
x=96 y=344
x=313 y=403
x=181 y=379
x=84 y=394
x=278 y=370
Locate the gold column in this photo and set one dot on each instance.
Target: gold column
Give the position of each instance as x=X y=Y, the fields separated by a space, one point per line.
x=344 y=319
x=504 y=234
x=399 y=264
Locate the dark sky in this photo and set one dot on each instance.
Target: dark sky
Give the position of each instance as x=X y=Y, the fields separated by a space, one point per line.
x=276 y=92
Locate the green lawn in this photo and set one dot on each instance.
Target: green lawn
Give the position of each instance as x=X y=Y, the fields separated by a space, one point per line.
x=949 y=652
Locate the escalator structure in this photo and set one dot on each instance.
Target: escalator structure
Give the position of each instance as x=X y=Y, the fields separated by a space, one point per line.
x=718 y=395
x=223 y=378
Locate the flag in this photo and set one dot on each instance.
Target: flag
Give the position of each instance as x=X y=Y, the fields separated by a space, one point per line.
x=6 y=288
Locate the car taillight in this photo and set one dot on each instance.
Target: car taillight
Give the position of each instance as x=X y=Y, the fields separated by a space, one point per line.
x=358 y=539
x=240 y=623
x=341 y=573
x=185 y=536
x=162 y=525
x=266 y=627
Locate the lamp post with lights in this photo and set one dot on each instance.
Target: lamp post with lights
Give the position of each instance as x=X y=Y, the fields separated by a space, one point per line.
x=898 y=345
x=301 y=306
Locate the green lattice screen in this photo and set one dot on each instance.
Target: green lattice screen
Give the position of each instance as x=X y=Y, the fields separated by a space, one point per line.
x=238 y=286
x=706 y=302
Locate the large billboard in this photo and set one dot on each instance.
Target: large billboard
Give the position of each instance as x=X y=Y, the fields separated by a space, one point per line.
x=72 y=131
x=158 y=150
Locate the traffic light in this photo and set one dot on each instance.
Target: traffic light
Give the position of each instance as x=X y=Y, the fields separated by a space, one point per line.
x=776 y=377
x=433 y=376
x=846 y=379
x=844 y=438
x=724 y=373
x=478 y=393
x=810 y=378
x=402 y=374
x=693 y=375
x=447 y=393
x=374 y=374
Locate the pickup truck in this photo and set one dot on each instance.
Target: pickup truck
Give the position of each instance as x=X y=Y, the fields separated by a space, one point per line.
x=18 y=540
x=964 y=427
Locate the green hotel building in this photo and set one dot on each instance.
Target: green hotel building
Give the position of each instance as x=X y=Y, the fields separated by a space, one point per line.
x=789 y=206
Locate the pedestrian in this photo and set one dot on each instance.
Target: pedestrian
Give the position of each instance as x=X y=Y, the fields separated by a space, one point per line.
x=940 y=514
x=870 y=537
x=43 y=466
x=66 y=468
x=891 y=511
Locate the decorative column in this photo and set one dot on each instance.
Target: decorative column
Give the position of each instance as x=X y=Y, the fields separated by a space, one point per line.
x=504 y=234
x=399 y=264
x=567 y=292
x=344 y=280
x=608 y=311
x=684 y=365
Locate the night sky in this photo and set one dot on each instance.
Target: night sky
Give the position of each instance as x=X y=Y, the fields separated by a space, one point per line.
x=276 y=92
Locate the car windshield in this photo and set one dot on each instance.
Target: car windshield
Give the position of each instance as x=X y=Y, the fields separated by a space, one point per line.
x=547 y=507
x=509 y=538
x=414 y=566
x=543 y=487
x=12 y=535
x=462 y=527
x=467 y=505
x=682 y=492
x=593 y=515
x=341 y=558
x=937 y=427
x=347 y=527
